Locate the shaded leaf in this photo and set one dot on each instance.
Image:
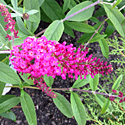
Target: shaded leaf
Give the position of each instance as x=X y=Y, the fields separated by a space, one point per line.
x=68 y=30
x=82 y=27
x=6 y=97
x=8 y=104
x=9 y=115
x=52 y=10
x=66 y=5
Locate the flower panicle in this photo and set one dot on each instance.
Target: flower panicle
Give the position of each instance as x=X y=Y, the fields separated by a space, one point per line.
x=10 y=22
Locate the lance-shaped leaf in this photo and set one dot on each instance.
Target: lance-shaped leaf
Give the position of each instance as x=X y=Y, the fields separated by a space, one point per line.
x=9 y=115
x=2 y=85
x=117 y=82
x=81 y=82
x=82 y=16
x=8 y=104
x=22 y=27
x=66 y=5
x=78 y=109
x=8 y=75
x=97 y=38
x=52 y=10
x=54 y=31
x=94 y=82
x=49 y=80
x=5 y=97
x=63 y=105
x=105 y=106
x=25 y=78
x=104 y=47
x=28 y=108
x=116 y=17
x=82 y=27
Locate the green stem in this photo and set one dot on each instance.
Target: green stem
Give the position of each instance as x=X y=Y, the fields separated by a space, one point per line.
x=20 y=2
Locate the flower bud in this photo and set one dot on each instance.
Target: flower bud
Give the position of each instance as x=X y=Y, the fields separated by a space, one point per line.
x=25 y=16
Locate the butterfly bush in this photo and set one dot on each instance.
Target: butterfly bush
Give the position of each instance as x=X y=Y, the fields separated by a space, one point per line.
x=39 y=56
x=10 y=22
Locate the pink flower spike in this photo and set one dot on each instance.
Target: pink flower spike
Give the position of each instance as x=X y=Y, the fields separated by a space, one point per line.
x=114 y=91
x=112 y=98
x=121 y=101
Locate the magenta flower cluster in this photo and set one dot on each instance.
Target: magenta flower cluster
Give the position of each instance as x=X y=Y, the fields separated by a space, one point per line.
x=10 y=22
x=120 y=95
x=39 y=56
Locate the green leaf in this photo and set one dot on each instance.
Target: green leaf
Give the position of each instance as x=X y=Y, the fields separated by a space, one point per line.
x=82 y=16
x=72 y=4
x=105 y=106
x=28 y=108
x=104 y=47
x=2 y=31
x=68 y=30
x=63 y=105
x=8 y=104
x=109 y=29
x=8 y=75
x=116 y=17
x=40 y=2
x=78 y=109
x=94 y=82
x=5 y=97
x=81 y=82
x=100 y=12
x=32 y=12
x=3 y=56
x=82 y=27
x=22 y=27
x=25 y=78
x=54 y=31
x=44 y=17
x=32 y=5
x=14 y=3
x=117 y=2
x=66 y=5
x=117 y=82
x=9 y=115
x=52 y=10
x=93 y=19
x=86 y=36
x=2 y=86
x=101 y=100
x=49 y=80
x=97 y=38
